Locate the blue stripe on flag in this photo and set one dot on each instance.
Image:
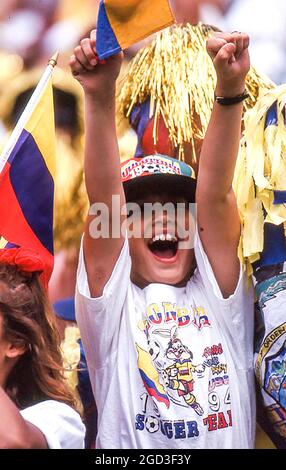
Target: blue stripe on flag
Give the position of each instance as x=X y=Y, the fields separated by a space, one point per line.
x=106 y=42
x=33 y=186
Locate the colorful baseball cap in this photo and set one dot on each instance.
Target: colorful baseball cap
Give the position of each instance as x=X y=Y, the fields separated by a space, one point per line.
x=156 y=174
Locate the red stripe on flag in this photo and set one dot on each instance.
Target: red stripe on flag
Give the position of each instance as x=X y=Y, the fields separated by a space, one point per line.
x=13 y=225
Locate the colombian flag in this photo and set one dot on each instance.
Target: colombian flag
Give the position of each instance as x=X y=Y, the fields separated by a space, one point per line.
x=150 y=377
x=27 y=167
x=122 y=23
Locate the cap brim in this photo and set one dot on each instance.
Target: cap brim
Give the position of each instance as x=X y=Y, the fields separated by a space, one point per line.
x=173 y=185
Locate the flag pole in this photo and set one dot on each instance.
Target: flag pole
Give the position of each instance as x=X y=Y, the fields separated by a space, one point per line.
x=54 y=59
x=28 y=111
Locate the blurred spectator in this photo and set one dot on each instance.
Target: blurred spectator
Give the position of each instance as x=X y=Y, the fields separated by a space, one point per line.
x=213 y=12
x=193 y=11
x=74 y=19
x=186 y=11
x=7 y=7
x=24 y=23
x=35 y=29
x=265 y=23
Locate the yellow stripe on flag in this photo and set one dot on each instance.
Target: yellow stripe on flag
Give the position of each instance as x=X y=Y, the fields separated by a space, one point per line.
x=41 y=126
x=133 y=20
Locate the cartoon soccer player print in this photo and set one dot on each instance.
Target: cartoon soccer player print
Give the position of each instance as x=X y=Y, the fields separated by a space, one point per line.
x=179 y=376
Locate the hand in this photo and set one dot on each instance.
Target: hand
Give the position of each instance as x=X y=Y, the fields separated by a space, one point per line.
x=174 y=372
x=200 y=369
x=230 y=56
x=95 y=78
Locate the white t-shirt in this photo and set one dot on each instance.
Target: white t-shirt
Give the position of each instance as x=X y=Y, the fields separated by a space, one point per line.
x=170 y=367
x=60 y=424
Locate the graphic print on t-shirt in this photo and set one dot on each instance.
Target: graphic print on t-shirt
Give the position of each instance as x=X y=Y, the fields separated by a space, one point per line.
x=275 y=376
x=179 y=376
x=270 y=348
x=176 y=378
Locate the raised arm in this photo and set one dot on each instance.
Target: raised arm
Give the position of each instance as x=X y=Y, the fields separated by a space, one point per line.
x=218 y=218
x=102 y=162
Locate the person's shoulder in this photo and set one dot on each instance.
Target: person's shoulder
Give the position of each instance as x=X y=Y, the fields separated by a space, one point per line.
x=52 y=406
x=60 y=424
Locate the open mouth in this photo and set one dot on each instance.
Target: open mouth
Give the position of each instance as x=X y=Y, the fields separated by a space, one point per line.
x=164 y=246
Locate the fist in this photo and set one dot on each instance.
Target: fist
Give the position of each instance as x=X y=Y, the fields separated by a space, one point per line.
x=94 y=75
x=200 y=368
x=230 y=56
x=174 y=372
